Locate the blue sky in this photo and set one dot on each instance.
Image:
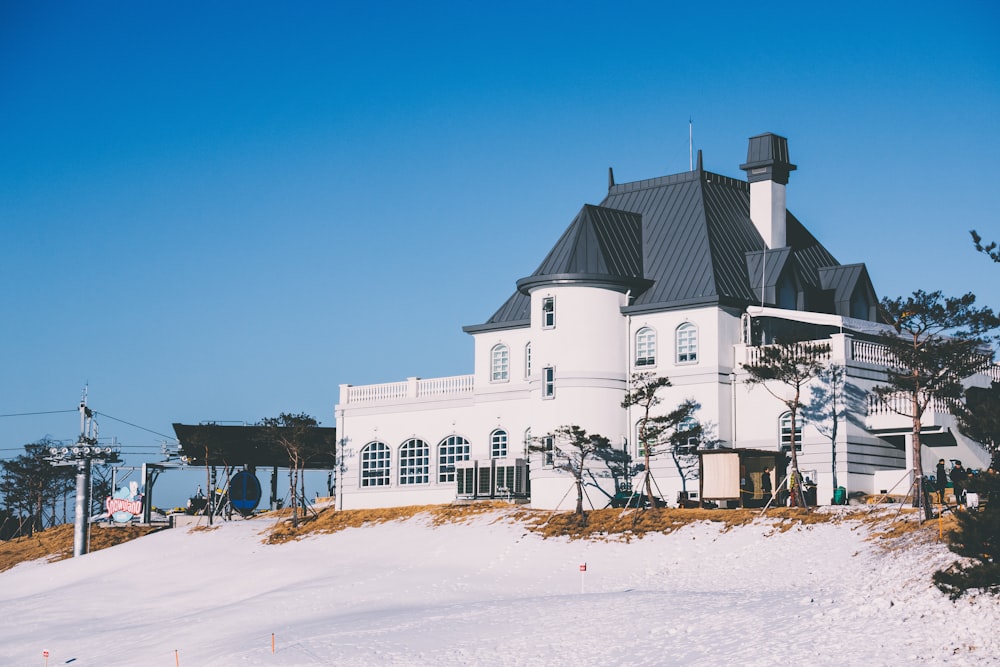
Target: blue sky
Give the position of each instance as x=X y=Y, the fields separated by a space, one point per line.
x=221 y=211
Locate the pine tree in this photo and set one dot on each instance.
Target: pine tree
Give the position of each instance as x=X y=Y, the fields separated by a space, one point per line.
x=977 y=539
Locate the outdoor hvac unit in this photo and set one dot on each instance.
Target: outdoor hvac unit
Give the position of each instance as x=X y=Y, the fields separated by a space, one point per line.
x=496 y=478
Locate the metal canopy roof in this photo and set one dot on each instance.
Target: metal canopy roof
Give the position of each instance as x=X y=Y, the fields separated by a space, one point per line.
x=251 y=446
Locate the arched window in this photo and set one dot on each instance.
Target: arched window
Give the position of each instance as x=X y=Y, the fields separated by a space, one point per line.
x=375 y=459
x=527 y=360
x=453 y=448
x=414 y=462
x=687 y=343
x=499 y=363
x=786 y=432
x=686 y=441
x=527 y=443
x=645 y=347
x=640 y=441
x=498 y=444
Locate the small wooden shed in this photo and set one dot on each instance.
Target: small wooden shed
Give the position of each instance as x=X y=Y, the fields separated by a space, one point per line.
x=733 y=477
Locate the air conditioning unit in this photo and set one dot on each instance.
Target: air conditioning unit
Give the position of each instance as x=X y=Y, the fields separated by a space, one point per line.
x=495 y=478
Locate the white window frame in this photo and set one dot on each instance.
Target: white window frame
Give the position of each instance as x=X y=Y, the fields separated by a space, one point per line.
x=376 y=465
x=451 y=450
x=527 y=360
x=414 y=463
x=549 y=382
x=691 y=446
x=498 y=444
x=548 y=451
x=548 y=312
x=645 y=347
x=686 y=343
x=499 y=363
x=785 y=432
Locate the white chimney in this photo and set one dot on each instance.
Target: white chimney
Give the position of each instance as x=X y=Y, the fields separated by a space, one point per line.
x=767 y=169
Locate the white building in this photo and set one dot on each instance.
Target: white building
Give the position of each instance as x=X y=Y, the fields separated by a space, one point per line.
x=682 y=276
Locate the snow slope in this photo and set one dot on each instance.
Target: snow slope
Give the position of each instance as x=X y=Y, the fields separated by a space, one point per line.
x=487 y=592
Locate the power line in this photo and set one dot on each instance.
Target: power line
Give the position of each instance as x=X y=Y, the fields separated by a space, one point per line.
x=29 y=414
x=141 y=428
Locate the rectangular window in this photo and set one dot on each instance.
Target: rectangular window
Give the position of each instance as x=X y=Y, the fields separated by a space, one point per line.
x=527 y=360
x=547 y=454
x=548 y=382
x=548 y=312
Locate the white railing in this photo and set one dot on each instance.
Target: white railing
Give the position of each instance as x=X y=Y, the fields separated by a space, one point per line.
x=871 y=353
x=411 y=388
x=374 y=393
x=816 y=349
x=449 y=386
x=993 y=372
x=902 y=404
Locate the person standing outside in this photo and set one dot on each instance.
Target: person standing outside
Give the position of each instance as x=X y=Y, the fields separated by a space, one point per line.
x=958 y=477
x=941 y=480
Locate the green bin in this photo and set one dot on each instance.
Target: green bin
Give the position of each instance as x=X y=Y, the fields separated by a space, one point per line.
x=840 y=496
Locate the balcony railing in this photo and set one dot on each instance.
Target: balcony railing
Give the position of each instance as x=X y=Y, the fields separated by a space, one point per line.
x=411 y=388
x=901 y=404
x=816 y=349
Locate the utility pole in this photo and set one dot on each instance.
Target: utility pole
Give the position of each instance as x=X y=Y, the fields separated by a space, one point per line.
x=83 y=455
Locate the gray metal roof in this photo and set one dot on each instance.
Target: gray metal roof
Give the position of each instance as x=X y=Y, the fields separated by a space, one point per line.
x=697 y=246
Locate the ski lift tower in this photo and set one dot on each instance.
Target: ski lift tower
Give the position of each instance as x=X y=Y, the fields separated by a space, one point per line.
x=83 y=455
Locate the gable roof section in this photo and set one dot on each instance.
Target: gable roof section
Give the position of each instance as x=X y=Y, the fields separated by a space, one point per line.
x=764 y=268
x=842 y=282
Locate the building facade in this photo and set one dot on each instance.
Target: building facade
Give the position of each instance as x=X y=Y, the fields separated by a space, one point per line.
x=684 y=276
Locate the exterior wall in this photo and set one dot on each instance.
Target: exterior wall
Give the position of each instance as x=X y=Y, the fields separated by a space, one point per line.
x=591 y=349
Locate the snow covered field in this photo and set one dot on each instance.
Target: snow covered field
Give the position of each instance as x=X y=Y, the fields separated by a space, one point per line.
x=488 y=592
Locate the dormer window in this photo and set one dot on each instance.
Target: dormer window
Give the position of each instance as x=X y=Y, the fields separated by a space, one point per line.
x=549 y=312
x=859 y=304
x=787 y=295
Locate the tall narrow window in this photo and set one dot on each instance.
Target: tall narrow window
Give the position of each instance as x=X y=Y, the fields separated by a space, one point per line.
x=527 y=360
x=498 y=444
x=414 y=462
x=687 y=343
x=548 y=312
x=859 y=304
x=687 y=444
x=645 y=347
x=375 y=464
x=548 y=382
x=527 y=443
x=451 y=450
x=787 y=294
x=786 y=432
x=548 y=442
x=500 y=363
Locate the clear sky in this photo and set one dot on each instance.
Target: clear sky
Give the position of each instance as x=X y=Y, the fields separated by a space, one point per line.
x=222 y=211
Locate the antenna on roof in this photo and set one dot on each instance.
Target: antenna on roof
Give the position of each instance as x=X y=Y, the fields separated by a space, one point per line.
x=690 y=144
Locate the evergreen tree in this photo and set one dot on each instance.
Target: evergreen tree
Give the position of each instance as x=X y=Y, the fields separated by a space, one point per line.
x=938 y=342
x=794 y=364
x=977 y=539
x=659 y=432
x=989 y=249
x=568 y=448
x=292 y=433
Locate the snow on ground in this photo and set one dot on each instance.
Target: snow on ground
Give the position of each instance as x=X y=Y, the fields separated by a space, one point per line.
x=490 y=593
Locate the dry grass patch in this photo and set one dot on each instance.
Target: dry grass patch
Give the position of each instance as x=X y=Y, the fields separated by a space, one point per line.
x=56 y=543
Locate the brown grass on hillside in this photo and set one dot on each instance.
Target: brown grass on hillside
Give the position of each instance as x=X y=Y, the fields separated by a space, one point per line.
x=56 y=543
x=605 y=524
